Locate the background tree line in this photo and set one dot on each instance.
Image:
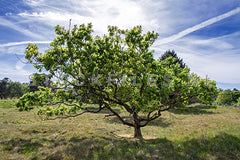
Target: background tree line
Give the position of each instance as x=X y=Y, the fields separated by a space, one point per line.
x=10 y=89
x=229 y=97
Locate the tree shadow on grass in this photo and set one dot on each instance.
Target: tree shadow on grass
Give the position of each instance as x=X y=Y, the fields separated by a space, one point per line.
x=21 y=146
x=162 y=122
x=222 y=146
x=196 y=110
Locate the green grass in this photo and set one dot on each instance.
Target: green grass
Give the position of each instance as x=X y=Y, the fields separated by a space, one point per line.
x=197 y=132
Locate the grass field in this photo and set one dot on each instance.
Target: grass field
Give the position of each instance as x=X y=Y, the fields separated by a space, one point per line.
x=197 y=133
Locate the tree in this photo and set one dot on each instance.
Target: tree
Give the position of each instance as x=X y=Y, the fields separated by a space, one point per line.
x=225 y=97
x=174 y=55
x=235 y=89
x=3 y=87
x=16 y=89
x=178 y=60
x=115 y=70
x=39 y=80
x=228 y=97
x=235 y=95
x=238 y=103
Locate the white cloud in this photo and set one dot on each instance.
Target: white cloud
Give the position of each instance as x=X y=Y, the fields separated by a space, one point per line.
x=22 y=30
x=23 y=42
x=20 y=64
x=198 y=26
x=216 y=57
x=122 y=13
x=15 y=73
x=218 y=67
x=173 y=20
x=18 y=48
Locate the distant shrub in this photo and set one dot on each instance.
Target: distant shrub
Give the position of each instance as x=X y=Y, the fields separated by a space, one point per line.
x=225 y=98
x=238 y=103
x=236 y=96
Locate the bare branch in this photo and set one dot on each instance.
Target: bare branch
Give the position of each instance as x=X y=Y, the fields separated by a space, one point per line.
x=20 y=59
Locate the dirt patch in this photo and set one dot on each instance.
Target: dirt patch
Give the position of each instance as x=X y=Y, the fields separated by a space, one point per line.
x=130 y=136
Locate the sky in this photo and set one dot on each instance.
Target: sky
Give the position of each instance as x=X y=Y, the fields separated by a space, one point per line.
x=205 y=33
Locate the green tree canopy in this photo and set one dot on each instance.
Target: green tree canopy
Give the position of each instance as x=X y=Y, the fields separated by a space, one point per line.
x=3 y=87
x=37 y=80
x=238 y=102
x=225 y=98
x=235 y=95
x=228 y=97
x=115 y=70
x=174 y=55
x=16 y=89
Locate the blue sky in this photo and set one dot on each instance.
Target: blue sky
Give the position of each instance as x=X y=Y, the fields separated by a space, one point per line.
x=205 y=33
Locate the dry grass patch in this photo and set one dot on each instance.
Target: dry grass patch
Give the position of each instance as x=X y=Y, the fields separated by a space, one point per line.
x=195 y=133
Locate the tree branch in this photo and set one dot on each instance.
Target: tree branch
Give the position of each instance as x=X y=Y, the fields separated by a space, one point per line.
x=119 y=117
x=75 y=115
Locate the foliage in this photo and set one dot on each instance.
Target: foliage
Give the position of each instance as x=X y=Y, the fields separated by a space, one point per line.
x=3 y=87
x=174 y=55
x=39 y=80
x=225 y=97
x=235 y=95
x=116 y=70
x=9 y=89
x=238 y=103
x=228 y=97
x=16 y=89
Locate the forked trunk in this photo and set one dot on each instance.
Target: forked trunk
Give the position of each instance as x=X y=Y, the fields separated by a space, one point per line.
x=138 y=133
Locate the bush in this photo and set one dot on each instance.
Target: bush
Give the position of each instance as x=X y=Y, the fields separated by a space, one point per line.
x=236 y=96
x=225 y=98
x=238 y=103
x=229 y=97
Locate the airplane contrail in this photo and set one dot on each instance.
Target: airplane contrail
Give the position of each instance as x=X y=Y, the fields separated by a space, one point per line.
x=23 y=42
x=9 y=24
x=159 y=42
x=198 y=26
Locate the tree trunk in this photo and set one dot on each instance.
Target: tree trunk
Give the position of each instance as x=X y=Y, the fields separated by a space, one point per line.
x=138 y=133
x=137 y=128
